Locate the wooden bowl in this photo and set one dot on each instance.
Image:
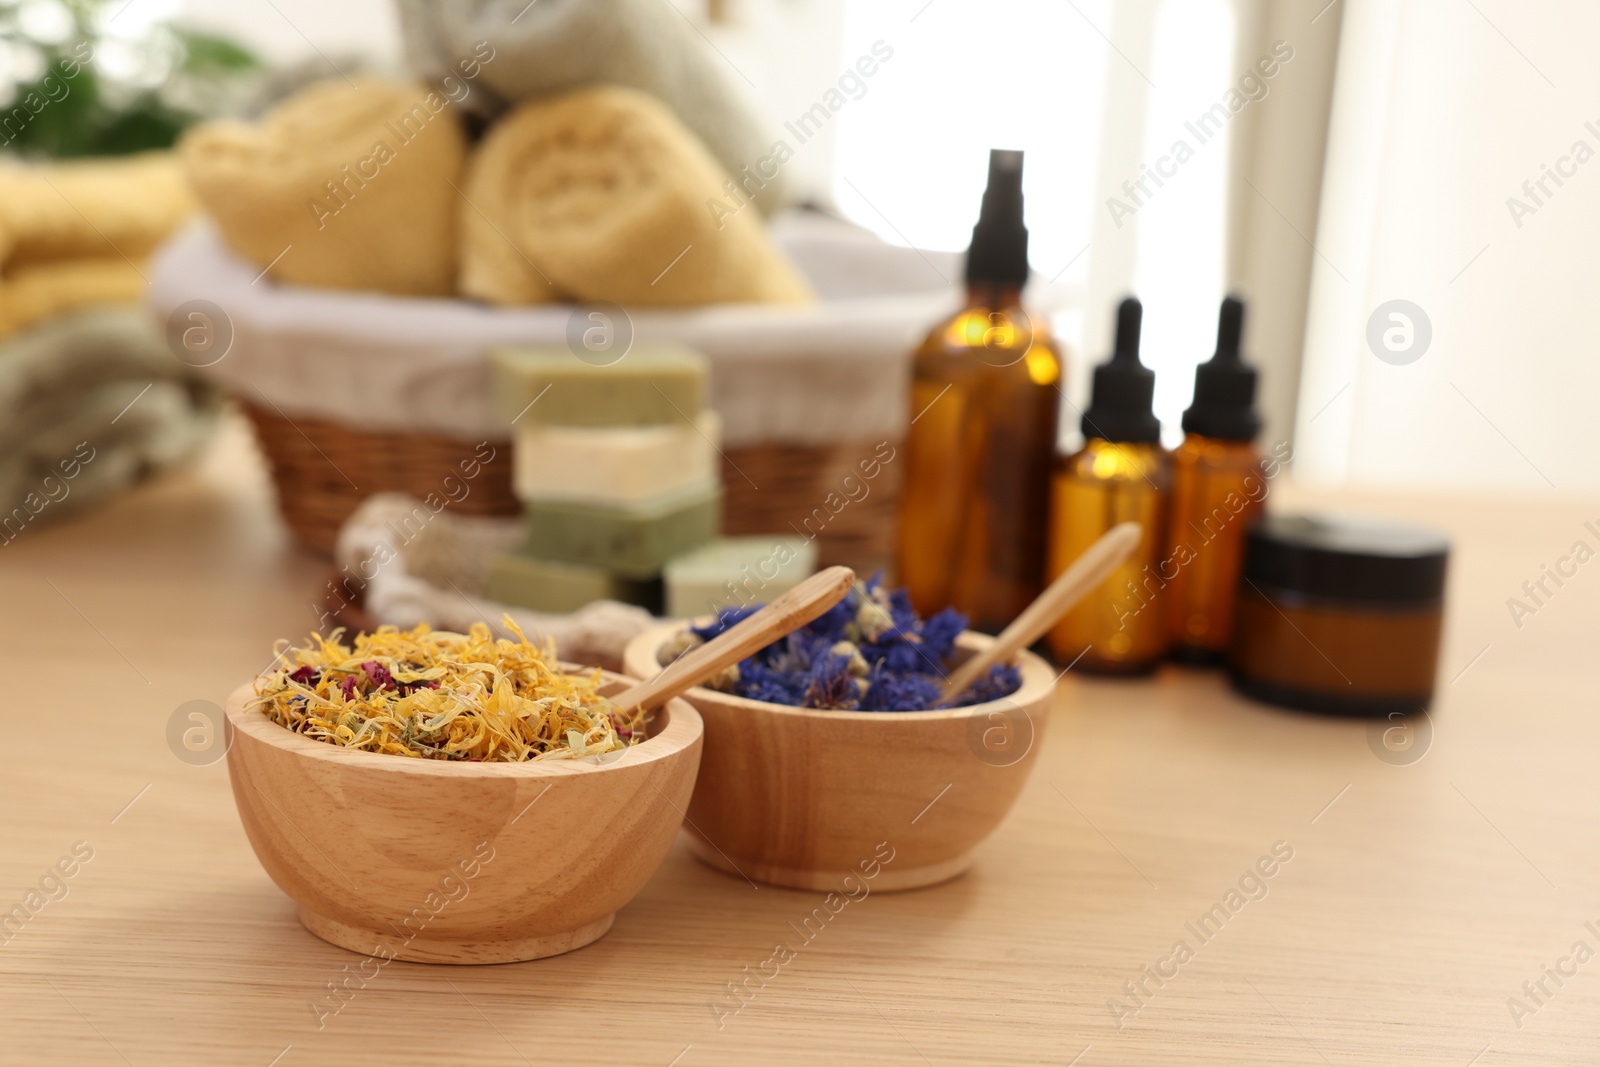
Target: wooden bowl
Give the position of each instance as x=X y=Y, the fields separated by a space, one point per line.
x=803 y=799
x=441 y=862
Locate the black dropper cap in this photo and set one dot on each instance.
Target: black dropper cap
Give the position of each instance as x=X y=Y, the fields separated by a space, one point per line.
x=1225 y=386
x=1119 y=406
x=999 y=252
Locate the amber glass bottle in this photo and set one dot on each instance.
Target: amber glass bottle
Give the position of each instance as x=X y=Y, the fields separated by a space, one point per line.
x=1120 y=475
x=1217 y=492
x=984 y=408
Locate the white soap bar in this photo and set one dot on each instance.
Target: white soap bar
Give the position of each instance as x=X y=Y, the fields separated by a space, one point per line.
x=736 y=572
x=616 y=465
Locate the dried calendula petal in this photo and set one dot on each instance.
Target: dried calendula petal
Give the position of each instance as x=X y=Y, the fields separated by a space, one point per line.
x=432 y=694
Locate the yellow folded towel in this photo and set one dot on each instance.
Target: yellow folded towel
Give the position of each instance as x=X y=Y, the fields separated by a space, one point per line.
x=33 y=293
x=91 y=208
x=603 y=194
x=341 y=186
x=76 y=235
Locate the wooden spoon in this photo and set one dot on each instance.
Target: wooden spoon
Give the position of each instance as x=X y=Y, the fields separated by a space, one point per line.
x=1085 y=574
x=787 y=613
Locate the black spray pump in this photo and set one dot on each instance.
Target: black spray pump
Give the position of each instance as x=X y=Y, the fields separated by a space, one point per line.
x=1119 y=405
x=1225 y=386
x=999 y=252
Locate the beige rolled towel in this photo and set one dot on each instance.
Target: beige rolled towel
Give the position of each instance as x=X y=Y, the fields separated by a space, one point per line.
x=345 y=186
x=603 y=194
x=90 y=208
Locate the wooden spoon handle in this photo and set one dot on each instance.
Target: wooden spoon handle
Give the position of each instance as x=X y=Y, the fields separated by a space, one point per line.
x=787 y=613
x=1074 y=583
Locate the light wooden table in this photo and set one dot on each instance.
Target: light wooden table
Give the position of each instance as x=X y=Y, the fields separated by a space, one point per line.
x=1420 y=896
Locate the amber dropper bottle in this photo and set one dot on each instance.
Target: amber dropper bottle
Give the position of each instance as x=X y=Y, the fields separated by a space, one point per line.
x=1120 y=475
x=1217 y=490
x=984 y=408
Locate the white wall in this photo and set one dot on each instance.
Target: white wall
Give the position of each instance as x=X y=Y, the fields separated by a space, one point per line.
x=289 y=30
x=1025 y=74
x=283 y=30
x=784 y=56
x=1442 y=110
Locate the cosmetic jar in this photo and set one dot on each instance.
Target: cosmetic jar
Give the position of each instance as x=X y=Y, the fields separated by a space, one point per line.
x=1339 y=614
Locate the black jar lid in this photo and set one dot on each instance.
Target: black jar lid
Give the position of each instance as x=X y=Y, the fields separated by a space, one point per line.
x=1346 y=558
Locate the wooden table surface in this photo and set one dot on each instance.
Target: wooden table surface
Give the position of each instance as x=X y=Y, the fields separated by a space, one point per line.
x=1421 y=894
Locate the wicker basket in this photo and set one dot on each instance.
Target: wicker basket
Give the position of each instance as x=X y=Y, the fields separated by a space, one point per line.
x=324 y=470
x=815 y=492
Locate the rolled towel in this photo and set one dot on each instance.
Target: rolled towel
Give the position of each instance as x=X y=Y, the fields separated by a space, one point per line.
x=89 y=404
x=344 y=186
x=602 y=194
x=90 y=209
x=541 y=49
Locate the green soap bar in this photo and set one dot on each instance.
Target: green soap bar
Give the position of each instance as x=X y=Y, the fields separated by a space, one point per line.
x=736 y=571
x=552 y=387
x=634 y=540
x=557 y=588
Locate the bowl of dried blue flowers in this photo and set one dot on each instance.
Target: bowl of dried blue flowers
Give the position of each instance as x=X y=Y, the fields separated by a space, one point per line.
x=834 y=757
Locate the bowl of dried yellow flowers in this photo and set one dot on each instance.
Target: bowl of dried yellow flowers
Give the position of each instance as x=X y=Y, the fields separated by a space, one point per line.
x=455 y=798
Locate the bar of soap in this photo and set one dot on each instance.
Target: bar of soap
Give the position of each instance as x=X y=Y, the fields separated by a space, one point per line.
x=615 y=465
x=736 y=571
x=553 y=387
x=634 y=540
x=558 y=588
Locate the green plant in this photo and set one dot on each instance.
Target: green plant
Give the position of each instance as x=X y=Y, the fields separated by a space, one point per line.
x=60 y=97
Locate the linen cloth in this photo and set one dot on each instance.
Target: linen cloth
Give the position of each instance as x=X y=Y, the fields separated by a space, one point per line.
x=408 y=570
x=832 y=372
